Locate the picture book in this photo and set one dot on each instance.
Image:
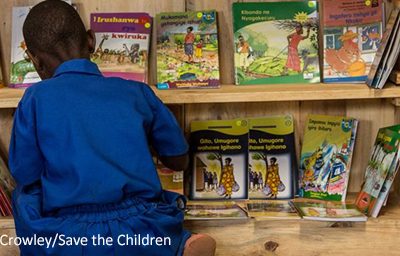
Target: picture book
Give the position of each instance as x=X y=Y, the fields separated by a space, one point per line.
x=122 y=44
x=219 y=152
x=22 y=71
x=382 y=167
x=276 y=42
x=272 y=164
x=7 y=182
x=329 y=211
x=214 y=210
x=352 y=33
x=387 y=53
x=326 y=155
x=187 y=50
x=271 y=209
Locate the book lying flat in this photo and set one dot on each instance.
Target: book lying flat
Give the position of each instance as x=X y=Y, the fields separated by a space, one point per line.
x=214 y=210
x=329 y=211
x=271 y=209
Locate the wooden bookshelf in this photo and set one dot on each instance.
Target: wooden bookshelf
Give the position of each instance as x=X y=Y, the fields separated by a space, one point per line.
x=9 y=98
x=6 y=222
x=395 y=77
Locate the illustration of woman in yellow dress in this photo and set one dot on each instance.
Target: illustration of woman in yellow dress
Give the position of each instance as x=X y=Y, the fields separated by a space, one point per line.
x=227 y=177
x=273 y=181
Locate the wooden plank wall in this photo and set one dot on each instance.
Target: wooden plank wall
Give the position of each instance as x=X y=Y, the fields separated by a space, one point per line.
x=371 y=113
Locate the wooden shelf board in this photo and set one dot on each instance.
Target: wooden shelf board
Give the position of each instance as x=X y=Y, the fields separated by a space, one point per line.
x=9 y=98
x=7 y=222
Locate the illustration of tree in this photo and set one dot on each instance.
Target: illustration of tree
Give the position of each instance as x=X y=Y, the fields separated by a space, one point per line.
x=262 y=156
x=289 y=25
x=387 y=149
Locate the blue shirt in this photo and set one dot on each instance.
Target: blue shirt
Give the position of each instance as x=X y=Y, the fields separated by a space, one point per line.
x=86 y=137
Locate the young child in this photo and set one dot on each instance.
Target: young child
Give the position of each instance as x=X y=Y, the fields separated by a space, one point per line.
x=80 y=156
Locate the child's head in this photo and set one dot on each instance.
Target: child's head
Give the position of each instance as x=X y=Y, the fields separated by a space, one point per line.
x=54 y=33
x=189 y=29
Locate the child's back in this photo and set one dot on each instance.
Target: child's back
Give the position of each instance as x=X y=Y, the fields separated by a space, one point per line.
x=79 y=152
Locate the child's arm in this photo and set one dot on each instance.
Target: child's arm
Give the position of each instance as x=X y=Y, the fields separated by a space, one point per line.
x=25 y=158
x=165 y=135
x=176 y=163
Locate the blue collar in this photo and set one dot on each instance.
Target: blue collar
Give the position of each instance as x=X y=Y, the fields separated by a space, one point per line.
x=77 y=66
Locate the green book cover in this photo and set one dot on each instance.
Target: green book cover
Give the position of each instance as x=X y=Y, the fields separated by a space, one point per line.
x=272 y=158
x=381 y=169
x=276 y=42
x=187 y=50
x=219 y=151
x=329 y=211
x=326 y=155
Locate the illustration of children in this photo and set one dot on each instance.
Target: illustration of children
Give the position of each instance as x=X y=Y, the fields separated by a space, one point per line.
x=244 y=50
x=189 y=41
x=227 y=177
x=199 y=50
x=293 y=59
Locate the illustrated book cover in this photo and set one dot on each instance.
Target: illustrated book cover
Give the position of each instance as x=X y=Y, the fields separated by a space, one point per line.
x=122 y=44
x=219 y=153
x=22 y=71
x=329 y=211
x=387 y=54
x=214 y=211
x=271 y=209
x=276 y=42
x=187 y=50
x=381 y=169
x=326 y=155
x=352 y=33
x=272 y=158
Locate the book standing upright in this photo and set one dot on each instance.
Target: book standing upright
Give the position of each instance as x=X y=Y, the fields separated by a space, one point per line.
x=122 y=44
x=276 y=42
x=352 y=32
x=187 y=50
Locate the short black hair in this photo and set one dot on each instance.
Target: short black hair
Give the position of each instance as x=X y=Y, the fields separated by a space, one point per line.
x=190 y=28
x=52 y=25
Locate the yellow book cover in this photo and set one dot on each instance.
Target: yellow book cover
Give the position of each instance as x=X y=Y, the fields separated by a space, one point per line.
x=326 y=154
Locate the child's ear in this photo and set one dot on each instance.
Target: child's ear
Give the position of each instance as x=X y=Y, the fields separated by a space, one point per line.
x=36 y=62
x=91 y=39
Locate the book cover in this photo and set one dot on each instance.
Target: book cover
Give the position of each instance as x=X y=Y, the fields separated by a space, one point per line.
x=272 y=164
x=22 y=71
x=382 y=163
x=219 y=153
x=329 y=211
x=122 y=44
x=214 y=211
x=276 y=42
x=386 y=45
x=187 y=50
x=352 y=32
x=326 y=155
x=271 y=209
x=7 y=183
